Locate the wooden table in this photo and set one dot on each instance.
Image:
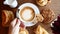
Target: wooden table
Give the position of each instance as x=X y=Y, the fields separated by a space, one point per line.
x=55 y=6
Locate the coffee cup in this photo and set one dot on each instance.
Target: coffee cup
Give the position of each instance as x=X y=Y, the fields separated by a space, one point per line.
x=27 y=13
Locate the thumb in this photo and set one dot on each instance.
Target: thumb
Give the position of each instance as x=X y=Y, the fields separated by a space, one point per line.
x=18 y=23
x=13 y=22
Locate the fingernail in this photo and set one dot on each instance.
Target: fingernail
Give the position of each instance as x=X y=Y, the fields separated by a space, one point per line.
x=22 y=25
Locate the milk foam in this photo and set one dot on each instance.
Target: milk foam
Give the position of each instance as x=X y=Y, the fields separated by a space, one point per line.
x=27 y=14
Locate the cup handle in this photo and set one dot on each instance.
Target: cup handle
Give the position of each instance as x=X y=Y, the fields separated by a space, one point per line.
x=17 y=13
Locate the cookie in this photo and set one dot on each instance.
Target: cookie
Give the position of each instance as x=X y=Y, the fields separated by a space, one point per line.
x=39 y=17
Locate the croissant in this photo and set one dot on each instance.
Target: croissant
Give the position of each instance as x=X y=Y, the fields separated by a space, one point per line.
x=40 y=30
x=7 y=17
x=43 y=2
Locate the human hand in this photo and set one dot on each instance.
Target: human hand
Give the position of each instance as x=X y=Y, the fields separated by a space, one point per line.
x=14 y=26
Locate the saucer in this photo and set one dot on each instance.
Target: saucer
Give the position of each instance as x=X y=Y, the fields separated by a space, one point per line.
x=34 y=7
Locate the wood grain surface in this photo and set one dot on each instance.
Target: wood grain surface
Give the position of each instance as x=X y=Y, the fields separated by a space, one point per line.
x=54 y=5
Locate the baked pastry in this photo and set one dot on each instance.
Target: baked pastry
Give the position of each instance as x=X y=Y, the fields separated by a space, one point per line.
x=39 y=17
x=40 y=30
x=48 y=15
x=43 y=2
x=23 y=31
x=7 y=17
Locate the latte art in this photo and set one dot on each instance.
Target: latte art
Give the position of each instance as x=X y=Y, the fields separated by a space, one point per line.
x=27 y=14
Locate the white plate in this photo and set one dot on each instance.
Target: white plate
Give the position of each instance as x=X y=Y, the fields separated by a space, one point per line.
x=34 y=7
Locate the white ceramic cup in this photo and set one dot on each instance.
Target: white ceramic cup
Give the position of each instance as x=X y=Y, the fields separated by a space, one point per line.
x=34 y=7
x=11 y=3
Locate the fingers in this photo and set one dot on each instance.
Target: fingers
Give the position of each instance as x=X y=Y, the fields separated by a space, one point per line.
x=18 y=23
x=14 y=29
x=13 y=22
x=22 y=25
